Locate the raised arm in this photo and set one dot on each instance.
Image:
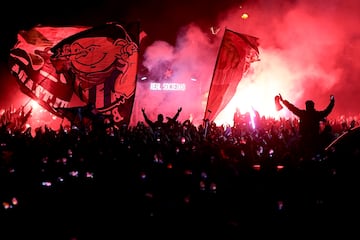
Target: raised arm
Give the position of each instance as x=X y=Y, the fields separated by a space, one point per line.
x=290 y=106
x=177 y=114
x=329 y=107
x=147 y=120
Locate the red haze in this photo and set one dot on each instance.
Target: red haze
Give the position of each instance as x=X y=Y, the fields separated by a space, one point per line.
x=308 y=50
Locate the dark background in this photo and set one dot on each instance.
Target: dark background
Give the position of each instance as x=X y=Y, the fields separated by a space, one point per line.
x=160 y=19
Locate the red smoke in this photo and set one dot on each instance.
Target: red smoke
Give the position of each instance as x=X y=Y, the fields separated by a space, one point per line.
x=308 y=50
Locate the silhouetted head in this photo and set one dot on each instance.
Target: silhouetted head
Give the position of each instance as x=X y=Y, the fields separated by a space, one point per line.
x=309 y=105
x=160 y=117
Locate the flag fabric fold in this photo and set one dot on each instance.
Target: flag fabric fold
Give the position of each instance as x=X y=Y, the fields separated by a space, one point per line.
x=237 y=51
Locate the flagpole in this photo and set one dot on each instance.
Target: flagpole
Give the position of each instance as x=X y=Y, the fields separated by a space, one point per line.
x=212 y=78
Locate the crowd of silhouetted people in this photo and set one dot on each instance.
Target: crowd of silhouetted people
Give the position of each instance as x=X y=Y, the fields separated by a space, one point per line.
x=149 y=179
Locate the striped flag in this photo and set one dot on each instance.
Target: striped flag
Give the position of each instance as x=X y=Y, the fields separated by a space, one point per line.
x=97 y=64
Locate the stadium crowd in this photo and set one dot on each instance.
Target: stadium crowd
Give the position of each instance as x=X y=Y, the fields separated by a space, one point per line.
x=107 y=182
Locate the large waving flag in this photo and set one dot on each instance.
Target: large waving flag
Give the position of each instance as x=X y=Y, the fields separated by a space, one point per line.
x=97 y=64
x=237 y=52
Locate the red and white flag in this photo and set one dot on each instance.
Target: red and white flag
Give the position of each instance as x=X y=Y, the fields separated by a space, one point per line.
x=96 y=64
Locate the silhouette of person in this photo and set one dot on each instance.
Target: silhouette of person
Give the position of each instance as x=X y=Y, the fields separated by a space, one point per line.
x=238 y=118
x=160 y=123
x=309 y=124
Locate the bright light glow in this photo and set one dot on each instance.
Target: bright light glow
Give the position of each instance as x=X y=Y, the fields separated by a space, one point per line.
x=35 y=105
x=252 y=116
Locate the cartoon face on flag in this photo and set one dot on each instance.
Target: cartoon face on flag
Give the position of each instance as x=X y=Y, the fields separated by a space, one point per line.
x=101 y=64
x=98 y=64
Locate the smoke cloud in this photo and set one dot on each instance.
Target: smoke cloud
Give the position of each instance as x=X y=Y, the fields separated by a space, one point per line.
x=308 y=50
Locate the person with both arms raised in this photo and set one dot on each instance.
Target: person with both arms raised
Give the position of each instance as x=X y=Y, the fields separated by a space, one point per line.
x=309 y=124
